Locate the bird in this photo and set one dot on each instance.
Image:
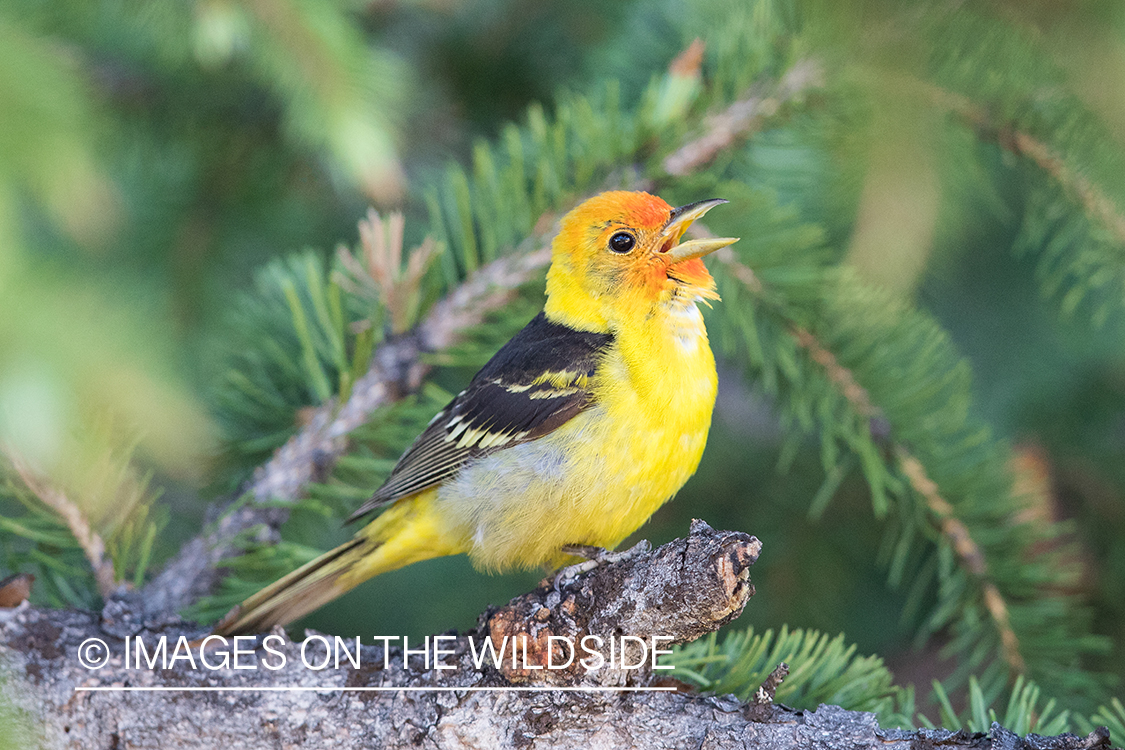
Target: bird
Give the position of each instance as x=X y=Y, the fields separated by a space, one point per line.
x=571 y=436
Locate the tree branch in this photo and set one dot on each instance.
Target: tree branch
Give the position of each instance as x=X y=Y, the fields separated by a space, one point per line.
x=684 y=589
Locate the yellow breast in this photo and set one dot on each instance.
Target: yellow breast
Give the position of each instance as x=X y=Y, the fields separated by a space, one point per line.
x=601 y=475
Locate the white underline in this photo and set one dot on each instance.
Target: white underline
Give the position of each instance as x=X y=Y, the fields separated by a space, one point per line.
x=381 y=689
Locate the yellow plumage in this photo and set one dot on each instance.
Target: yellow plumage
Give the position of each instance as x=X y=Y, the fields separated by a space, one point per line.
x=574 y=434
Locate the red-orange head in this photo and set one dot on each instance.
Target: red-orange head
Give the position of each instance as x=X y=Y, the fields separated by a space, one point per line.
x=620 y=253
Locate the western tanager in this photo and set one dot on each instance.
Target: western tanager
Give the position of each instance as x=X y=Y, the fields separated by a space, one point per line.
x=574 y=433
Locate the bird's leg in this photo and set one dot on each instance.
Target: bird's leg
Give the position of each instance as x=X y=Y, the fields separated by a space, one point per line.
x=602 y=556
x=593 y=557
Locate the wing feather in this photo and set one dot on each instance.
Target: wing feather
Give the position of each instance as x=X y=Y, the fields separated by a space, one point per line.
x=537 y=382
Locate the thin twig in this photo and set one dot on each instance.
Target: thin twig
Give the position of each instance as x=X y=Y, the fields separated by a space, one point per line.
x=395 y=371
x=841 y=376
x=968 y=550
x=88 y=539
x=1093 y=201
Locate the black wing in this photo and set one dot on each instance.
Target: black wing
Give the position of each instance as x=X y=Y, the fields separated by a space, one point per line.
x=533 y=385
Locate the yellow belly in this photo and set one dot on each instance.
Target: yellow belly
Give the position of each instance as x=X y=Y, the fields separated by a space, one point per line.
x=601 y=475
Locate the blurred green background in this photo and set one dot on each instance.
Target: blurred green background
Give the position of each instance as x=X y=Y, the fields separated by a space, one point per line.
x=154 y=155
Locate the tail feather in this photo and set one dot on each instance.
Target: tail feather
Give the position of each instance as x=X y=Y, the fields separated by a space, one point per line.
x=308 y=587
x=407 y=532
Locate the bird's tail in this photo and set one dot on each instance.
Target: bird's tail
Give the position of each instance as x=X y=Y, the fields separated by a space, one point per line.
x=407 y=532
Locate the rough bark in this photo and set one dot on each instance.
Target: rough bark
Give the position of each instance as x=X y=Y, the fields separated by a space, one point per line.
x=679 y=591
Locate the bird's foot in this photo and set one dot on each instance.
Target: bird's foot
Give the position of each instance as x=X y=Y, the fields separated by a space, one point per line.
x=595 y=556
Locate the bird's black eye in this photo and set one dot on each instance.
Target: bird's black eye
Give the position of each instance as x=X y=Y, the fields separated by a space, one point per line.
x=622 y=242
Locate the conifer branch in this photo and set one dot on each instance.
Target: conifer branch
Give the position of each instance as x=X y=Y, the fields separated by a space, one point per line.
x=1021 y=143
x=968 y=550
x=397 y=369
x=742 y=118
x=836 y=373
x=89 y=540
x=952 y=528
x=1092 y=200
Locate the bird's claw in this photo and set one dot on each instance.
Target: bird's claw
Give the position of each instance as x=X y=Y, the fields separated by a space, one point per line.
x=594 y=557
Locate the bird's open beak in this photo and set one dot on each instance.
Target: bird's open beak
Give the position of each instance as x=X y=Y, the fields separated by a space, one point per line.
x=680 y=220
